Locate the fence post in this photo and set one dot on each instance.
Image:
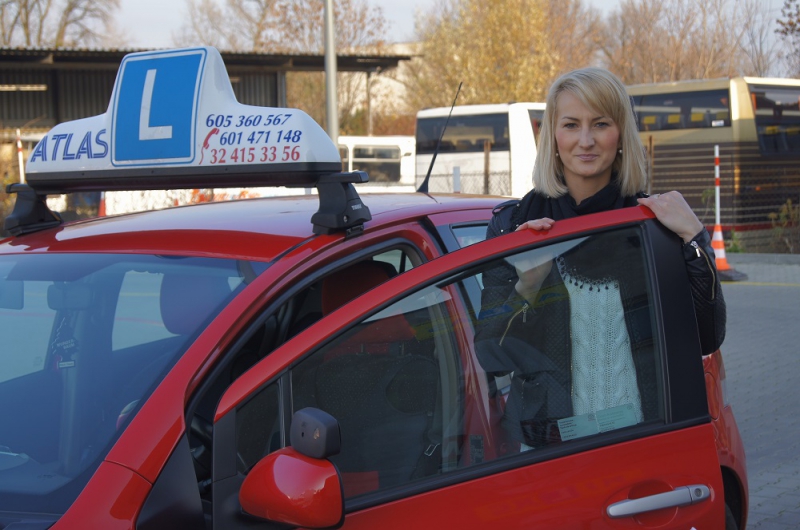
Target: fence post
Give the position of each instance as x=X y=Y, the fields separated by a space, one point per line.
x=457 y=179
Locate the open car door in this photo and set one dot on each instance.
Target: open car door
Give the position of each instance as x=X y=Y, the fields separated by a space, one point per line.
x=455 y=417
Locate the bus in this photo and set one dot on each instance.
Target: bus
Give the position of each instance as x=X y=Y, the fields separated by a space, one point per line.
x=756 y=124
x=389 y=161
x=493 y=147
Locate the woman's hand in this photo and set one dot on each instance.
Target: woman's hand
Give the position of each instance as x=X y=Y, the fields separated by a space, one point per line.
x=674 y=213
x=545 y=223
x=533 y=267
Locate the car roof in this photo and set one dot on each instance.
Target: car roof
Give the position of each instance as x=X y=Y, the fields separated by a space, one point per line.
x=254 y=229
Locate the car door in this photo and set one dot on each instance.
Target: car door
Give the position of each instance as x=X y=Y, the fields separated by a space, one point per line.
x=454 y=419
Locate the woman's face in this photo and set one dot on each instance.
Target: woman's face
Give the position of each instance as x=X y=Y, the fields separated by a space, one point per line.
x=586 y=142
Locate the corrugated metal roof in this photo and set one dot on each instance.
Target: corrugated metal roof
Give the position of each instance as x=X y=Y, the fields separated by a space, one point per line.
x=70 y=57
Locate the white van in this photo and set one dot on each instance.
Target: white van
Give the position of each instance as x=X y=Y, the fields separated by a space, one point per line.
x=494 y=147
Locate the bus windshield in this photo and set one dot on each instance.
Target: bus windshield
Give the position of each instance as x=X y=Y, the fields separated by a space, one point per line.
x=464 y=134
x=777 y=118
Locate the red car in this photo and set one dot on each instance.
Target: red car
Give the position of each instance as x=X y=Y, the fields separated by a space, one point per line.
x=310 y=361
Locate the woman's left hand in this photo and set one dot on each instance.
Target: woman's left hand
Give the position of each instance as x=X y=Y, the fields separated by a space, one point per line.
x=674 y=213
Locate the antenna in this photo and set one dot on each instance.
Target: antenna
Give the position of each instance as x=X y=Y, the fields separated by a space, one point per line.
x=423 y=188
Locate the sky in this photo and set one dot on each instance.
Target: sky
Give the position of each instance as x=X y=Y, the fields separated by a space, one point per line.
x=151 y=23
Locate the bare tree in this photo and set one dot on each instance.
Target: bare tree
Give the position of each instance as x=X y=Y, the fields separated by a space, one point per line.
x=757 y=42
x=293 y=26
x=789 y=33
x=56 y=23
x=648 y=42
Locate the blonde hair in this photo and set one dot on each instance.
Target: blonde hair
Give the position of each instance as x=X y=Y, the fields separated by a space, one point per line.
x=603 y=92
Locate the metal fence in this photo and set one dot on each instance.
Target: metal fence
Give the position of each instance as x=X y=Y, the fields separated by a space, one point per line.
x=495 y=183
x=759 y=195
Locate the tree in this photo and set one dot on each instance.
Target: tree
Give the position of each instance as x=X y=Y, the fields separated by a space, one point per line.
x=756 y=42
x=293 y=26
x=789 y=32
x=54 y=23
x=650 y=42
x=502 y=51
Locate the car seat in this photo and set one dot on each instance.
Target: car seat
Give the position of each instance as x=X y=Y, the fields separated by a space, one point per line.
x=382 y=392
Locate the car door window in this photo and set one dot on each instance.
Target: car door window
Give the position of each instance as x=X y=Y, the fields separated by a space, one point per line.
x=414 y=400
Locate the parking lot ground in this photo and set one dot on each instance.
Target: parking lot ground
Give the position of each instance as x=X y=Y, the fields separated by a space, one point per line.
x=762 y=360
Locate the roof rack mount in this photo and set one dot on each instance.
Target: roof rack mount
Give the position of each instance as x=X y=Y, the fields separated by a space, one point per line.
x=340 y=207
x=30 y=213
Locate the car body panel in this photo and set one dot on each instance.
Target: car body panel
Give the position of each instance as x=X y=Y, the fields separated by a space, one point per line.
x=561 y=494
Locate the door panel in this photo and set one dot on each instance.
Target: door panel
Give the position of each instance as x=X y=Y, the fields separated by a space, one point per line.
x=572 y=493
x=450 y=417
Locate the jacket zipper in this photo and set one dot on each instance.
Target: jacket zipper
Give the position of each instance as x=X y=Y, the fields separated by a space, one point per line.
x=524 y=312
x=699 y=250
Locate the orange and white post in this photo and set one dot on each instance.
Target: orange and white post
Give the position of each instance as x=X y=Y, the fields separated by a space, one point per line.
x=21 y=158
x=726 y=272
x=717 y=242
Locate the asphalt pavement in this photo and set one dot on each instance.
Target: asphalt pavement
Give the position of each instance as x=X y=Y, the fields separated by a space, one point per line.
x=762 y=360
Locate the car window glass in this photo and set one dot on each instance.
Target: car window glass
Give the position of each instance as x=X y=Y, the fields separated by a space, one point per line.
x=414 y=401
x=90 y=336
x=138 y=318
x=467 y=235
x=25 y=325
x=258 y=428
x=325 y=296
x=138 y=315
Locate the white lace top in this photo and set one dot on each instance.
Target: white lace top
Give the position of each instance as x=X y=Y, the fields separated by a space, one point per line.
x=603 y=373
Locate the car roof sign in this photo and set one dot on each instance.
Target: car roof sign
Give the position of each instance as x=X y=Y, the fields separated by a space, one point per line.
x=174 y=122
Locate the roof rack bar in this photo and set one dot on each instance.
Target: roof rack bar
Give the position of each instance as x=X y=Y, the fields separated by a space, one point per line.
x=30 y=213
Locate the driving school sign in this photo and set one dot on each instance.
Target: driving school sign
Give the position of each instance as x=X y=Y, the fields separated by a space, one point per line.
x=175 y=109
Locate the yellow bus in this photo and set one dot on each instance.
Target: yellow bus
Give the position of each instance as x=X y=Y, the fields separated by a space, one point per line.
x=755 y=122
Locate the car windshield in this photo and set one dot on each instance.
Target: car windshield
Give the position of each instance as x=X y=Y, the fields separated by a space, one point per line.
x=86 y=338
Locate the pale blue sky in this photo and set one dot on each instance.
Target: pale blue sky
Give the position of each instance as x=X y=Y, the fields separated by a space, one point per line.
x=151 y=23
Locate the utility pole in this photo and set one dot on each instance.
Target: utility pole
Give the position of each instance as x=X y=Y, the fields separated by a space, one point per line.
x=331 y=98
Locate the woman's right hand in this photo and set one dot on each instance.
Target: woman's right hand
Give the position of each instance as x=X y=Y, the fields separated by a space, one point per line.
x=545 y=223
x=533 y=267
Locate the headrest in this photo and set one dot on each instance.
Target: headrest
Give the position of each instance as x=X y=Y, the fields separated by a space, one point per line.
x=345 y=285
x=187 y=300
x=355 y=280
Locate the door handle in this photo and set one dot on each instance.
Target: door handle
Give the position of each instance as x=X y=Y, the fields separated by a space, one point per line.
x=682 y=496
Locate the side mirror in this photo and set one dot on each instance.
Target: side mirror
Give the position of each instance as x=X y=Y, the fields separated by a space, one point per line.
x=292 y=487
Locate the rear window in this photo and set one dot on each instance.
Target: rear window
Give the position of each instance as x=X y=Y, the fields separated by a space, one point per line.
x=464 y=134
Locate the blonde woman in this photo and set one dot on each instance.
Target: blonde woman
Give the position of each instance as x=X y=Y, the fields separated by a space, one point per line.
x=590 y=160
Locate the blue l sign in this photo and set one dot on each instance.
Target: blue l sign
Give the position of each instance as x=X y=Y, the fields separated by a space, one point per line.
x=155 y=108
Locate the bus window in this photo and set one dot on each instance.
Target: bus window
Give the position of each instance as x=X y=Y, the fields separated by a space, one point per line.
x=683 y=110
x=536 y=116
x=464 y=134
x=344 y=153
x=777 y=118
x=382 y=163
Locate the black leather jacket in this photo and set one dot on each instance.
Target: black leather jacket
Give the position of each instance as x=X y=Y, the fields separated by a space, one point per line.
x=538 y=352
x=709 y=303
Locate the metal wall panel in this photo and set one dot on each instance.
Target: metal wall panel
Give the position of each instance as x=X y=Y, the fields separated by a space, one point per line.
x=83 y=93
x=22 y=102
x=64 y=95
x=256 y=88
